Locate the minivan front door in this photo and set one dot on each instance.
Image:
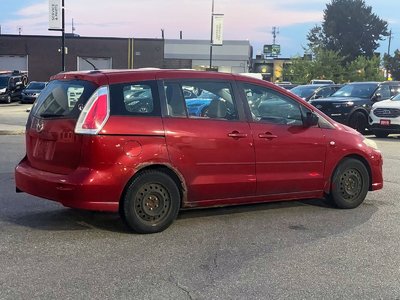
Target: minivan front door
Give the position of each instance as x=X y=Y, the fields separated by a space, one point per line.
x=289 y=156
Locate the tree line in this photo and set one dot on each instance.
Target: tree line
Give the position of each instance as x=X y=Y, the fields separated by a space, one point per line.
x=343 y=47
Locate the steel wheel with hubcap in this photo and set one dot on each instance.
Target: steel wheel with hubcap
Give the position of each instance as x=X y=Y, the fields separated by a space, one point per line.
x=8 y=99
x=151 y=202
x=350 y=184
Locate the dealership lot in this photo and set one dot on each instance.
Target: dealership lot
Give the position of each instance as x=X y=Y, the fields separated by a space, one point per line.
x=283 y=250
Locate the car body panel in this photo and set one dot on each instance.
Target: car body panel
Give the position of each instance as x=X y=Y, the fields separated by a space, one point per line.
x=213 y=167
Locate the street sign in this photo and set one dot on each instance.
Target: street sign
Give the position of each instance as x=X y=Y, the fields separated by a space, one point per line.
x=272 y=50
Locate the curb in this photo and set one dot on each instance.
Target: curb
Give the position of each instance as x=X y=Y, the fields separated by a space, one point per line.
x=12 y=132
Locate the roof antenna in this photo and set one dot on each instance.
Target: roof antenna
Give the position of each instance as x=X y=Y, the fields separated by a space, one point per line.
x=94 y=67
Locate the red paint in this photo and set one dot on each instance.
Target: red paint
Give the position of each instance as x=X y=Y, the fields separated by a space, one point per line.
x=219 y=162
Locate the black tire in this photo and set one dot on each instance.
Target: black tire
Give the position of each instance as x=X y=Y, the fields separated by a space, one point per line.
x=8 y=99
x=381 y=133
x=151 y=202
x=350 y=184
x=358 y=121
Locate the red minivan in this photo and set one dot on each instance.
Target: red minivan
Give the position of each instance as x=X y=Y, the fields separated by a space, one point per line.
x=147 y=143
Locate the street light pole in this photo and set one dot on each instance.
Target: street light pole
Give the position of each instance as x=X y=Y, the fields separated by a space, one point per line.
x=62 y=37
x=211 y=39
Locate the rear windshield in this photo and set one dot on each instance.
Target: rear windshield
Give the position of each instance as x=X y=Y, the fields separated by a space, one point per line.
x=63 y=99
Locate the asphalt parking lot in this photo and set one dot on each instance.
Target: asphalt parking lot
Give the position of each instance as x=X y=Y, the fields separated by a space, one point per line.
x=288 y=250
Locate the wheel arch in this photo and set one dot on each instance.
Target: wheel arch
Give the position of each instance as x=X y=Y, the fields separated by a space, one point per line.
x=354 y=156
x=176 y=176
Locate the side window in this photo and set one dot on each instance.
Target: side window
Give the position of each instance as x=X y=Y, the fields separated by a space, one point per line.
x=200 y=99
x=138 y=99
x=267 y=105
x=325 y=92
x=394 y=90
x=384 y=91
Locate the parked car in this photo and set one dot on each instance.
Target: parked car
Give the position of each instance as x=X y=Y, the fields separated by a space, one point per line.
x=11 y=85
x=351 y=104
x=147 y=158
x=384 y=117
x=315 y=91
x=32 y=91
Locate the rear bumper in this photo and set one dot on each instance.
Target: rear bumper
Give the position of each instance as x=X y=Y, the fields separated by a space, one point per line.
x=84 y=188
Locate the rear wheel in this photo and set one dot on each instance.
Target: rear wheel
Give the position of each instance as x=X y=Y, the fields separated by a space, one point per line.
x=358 y=121
x=151 y=202
x=350 y=184
x=381 y=133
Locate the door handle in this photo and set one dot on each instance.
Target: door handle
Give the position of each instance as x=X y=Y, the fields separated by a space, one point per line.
x=237 y=135
x=267 y=135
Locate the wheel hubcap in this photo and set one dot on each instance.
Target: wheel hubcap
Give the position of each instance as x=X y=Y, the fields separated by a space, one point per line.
x=152 y=202
x=350 y=184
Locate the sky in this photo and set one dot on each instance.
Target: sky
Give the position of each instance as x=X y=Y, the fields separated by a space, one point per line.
x=243 y=19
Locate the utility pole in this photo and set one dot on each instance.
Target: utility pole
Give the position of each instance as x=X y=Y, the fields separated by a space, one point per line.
x=390 y=40
x=275 y=32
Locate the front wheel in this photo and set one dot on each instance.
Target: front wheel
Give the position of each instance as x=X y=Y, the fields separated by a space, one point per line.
x=151 y=202
x=8 y=99
x=358 y=121
x=350 y=184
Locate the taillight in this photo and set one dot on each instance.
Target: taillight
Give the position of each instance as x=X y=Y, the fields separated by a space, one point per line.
x=95 y=113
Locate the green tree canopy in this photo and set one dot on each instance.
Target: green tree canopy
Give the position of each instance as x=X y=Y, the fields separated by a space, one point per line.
x=349 y=28
x=327 y=64
x=392 y=64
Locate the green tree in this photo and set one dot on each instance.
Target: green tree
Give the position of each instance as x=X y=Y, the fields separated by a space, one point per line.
x=324 y=65
x=349 y=28
x=392 y=64
x=364 y=69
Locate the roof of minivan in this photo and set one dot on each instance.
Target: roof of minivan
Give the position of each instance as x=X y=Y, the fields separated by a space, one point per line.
x=123 y=75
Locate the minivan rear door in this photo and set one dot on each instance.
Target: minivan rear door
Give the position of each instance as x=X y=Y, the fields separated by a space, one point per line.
x=51 y=143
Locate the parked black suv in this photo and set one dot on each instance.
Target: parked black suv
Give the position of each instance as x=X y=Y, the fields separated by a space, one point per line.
x=351 y=104
x=11 y=85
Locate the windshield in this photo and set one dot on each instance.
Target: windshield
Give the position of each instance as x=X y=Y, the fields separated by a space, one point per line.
x=304 y=91
x=4 y=82
x=36 y=86
x=362 y=90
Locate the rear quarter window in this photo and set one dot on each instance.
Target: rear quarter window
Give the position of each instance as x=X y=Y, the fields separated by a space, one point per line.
x=135 y=99
x=63 y=98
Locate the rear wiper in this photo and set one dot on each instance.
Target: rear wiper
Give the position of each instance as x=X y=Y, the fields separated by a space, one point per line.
x=44 y=115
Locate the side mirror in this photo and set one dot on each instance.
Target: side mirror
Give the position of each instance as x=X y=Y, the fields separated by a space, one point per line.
x=311 y=119
x=377 y=97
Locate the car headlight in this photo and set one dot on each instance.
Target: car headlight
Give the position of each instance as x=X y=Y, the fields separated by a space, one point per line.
x=371 y=143
x=2 y=91
x=344 y=104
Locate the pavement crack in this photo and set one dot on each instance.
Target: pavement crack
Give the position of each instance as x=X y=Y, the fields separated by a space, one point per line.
x=181 y=287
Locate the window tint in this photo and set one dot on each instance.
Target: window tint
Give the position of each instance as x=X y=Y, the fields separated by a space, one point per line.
x=60 y=98
x=139 y=98
x=200 y=99
x=267 y=105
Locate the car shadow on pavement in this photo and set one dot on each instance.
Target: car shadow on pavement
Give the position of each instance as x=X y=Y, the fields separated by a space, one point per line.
x=66 y=219
x=244 y=208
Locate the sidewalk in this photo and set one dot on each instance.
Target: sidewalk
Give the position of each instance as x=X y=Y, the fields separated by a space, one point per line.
x=6 y=129
x=13 y=118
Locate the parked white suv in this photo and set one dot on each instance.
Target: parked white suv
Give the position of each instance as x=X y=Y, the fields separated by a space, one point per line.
x=384 y=117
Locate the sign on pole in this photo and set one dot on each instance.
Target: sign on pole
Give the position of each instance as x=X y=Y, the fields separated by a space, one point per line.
x=218 y=29
x=272 y=50
x=55 y=15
